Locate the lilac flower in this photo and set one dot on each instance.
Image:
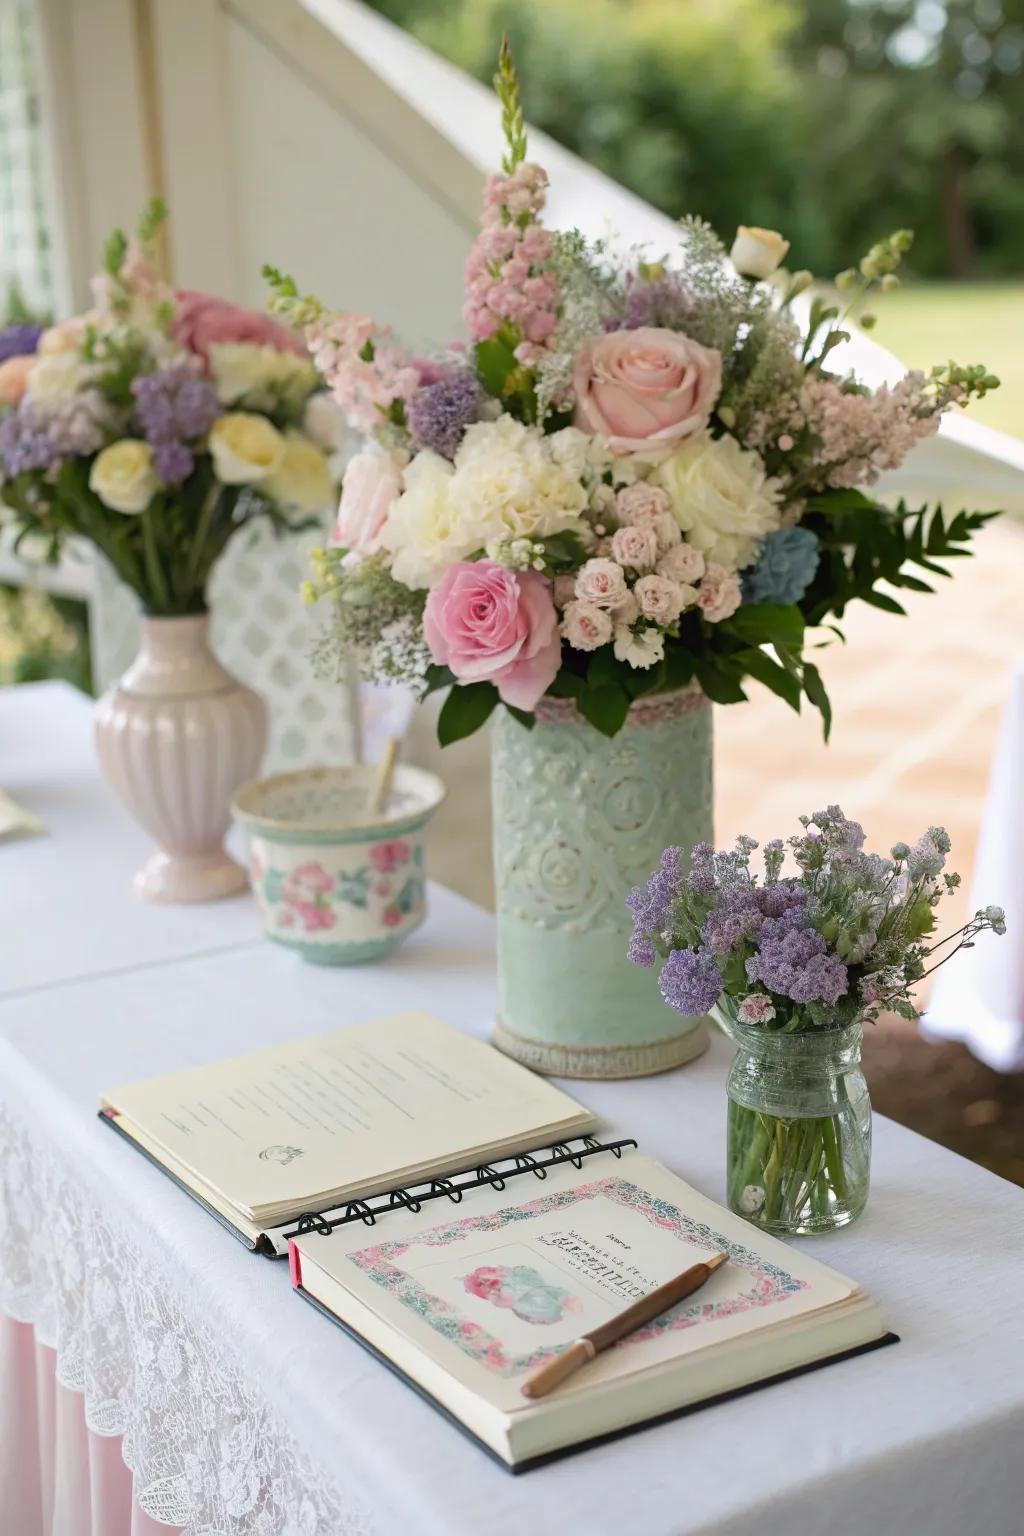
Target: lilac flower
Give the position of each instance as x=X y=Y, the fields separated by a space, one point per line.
x=35 y=439
x=651 y=904
x=691 y=982
x=666 y=301
x=737 y=919
x=439 y=413
x=796 y=964
x=175 y=407
x=19 y=340
x=641 y=950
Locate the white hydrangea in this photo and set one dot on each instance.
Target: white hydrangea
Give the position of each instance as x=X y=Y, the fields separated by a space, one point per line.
x=722 y=498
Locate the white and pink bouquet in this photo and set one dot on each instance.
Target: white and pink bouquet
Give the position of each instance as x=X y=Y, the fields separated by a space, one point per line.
x=155 y=426
x=638 y=475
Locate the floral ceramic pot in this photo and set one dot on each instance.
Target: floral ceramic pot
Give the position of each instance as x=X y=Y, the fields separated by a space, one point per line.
x=333 y=882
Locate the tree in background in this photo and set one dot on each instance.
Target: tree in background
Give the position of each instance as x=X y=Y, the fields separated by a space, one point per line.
x=834 y=120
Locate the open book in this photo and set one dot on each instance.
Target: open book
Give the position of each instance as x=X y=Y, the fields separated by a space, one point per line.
x=465 y=1302
x=263 y=1139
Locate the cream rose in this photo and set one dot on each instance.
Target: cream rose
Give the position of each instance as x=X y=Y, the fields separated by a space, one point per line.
x=722 y=499
x=757 y=252
x=720 y=594
x=662 y=601
x=635 y=547
x=422 y=531
x=262 y=376
x=683 y=564
x=302 y=479
x=586 y=626
x=245 y=448
x=123 y=477
x=57 y=376
x=644 y=391
x=601 y=583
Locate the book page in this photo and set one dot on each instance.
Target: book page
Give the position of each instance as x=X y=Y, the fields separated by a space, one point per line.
x=354 y=1110
x=493 y=1291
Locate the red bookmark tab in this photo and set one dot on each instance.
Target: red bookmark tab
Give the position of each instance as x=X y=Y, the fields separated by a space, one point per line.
x=294 y=1264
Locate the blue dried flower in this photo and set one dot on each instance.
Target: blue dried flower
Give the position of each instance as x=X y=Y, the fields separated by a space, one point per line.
x=784 y=569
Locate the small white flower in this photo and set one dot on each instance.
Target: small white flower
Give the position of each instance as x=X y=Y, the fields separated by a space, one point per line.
x=751 y=1199
x=757 y=252
x=641 y=650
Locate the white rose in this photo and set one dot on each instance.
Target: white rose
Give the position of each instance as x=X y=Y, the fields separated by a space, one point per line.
x=662 y=601
x=720 y=594
x=586 y=626
x=261 y=376
x=641 y=650
x=245 y=448
x=683 y=564
x=123 y=477
x=757 y=252
x=722 y=499
x=422 y=531
x=303 y=478
x=57 y=376
x=324 y=421
x=601 y=583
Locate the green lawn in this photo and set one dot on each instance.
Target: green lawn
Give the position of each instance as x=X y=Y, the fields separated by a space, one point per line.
x=971 y=322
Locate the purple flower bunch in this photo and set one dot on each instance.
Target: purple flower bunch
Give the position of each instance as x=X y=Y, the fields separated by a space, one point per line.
x=842 y=939
x=175 y=406
x=19 y=340
x=438 y=414
x=32 y=437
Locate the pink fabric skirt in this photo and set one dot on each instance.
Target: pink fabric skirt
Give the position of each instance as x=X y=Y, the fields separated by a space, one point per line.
x=57 y=1478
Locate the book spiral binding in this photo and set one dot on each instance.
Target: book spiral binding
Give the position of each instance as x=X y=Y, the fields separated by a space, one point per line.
x=453 y=1189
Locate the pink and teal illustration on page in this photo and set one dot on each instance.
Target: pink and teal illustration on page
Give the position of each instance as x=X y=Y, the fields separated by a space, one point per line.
x=510 y=1287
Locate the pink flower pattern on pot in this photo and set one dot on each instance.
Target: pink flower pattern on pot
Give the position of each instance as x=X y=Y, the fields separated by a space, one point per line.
x=387 y=857
x=304 y=894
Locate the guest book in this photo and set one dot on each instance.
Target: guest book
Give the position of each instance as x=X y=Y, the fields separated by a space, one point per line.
x=283 y=1134
x=464 y=1304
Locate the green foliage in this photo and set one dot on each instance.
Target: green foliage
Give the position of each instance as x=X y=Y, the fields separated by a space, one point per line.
x=465 y=710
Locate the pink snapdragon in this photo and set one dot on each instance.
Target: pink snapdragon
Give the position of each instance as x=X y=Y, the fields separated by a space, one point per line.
x=365 y=371
x=506 y=280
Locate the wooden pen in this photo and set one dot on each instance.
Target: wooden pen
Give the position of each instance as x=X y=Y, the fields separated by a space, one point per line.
x=591 y=1344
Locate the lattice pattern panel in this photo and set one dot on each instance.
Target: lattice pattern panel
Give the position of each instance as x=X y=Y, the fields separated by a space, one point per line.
x=264 y=634
x=24 y=234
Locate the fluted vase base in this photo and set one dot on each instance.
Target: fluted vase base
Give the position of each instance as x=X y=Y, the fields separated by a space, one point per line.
x=594 y=1062
x=209 y=878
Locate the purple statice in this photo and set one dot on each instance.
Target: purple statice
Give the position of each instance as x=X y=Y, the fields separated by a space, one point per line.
x=794 y=961
x=19 y=340
x=829 y=837
x=175 y=406
x=439 y=413
x=651 y=904
x=691 y=982
x=662 y=301
x=26 y=442
x=737 y=919
x=641 y=950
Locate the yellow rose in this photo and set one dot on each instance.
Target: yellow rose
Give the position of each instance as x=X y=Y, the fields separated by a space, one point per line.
x=245 y=448
x=259 y=376
x=302 y=479
x=757 y=252
x=123 y=476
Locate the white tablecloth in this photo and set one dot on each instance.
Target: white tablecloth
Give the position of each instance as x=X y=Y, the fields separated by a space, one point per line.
x=244 y=1412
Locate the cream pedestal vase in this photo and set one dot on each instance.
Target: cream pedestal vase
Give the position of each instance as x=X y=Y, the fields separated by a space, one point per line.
x=176 y=737
x=579 y=819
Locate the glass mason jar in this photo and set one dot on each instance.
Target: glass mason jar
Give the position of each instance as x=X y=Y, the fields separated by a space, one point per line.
x=799 y=1147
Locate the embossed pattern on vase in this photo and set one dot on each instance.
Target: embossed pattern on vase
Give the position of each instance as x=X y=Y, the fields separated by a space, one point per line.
x=579 y=820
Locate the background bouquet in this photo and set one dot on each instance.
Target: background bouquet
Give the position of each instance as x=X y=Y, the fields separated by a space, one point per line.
x=636 y=476
x=155 y=425
x=792 y=968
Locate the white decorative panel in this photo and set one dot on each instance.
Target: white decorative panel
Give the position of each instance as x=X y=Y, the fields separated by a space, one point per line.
x=24 y=234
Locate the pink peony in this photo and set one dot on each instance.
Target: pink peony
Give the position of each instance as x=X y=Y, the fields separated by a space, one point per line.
x=372 y=482
x=14 y=374
x=201 y=319
x=645 y=390
x=489 y=624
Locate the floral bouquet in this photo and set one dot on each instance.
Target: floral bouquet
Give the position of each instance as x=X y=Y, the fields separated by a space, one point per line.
x=638 y=476
x=154 y=426
x=792 y=967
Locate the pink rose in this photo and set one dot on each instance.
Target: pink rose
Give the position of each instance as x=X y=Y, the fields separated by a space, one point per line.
x=200 y=320
x=14 y=377
x=720 y=593
x=683 y=564
x=601 y=582
x=635 y=547
x=372 y=482
x=660 y=600
x=642 y=503
x=645 y=389
x=489 y=624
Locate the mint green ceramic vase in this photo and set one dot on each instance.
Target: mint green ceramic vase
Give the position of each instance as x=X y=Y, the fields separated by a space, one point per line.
x=579 y=819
